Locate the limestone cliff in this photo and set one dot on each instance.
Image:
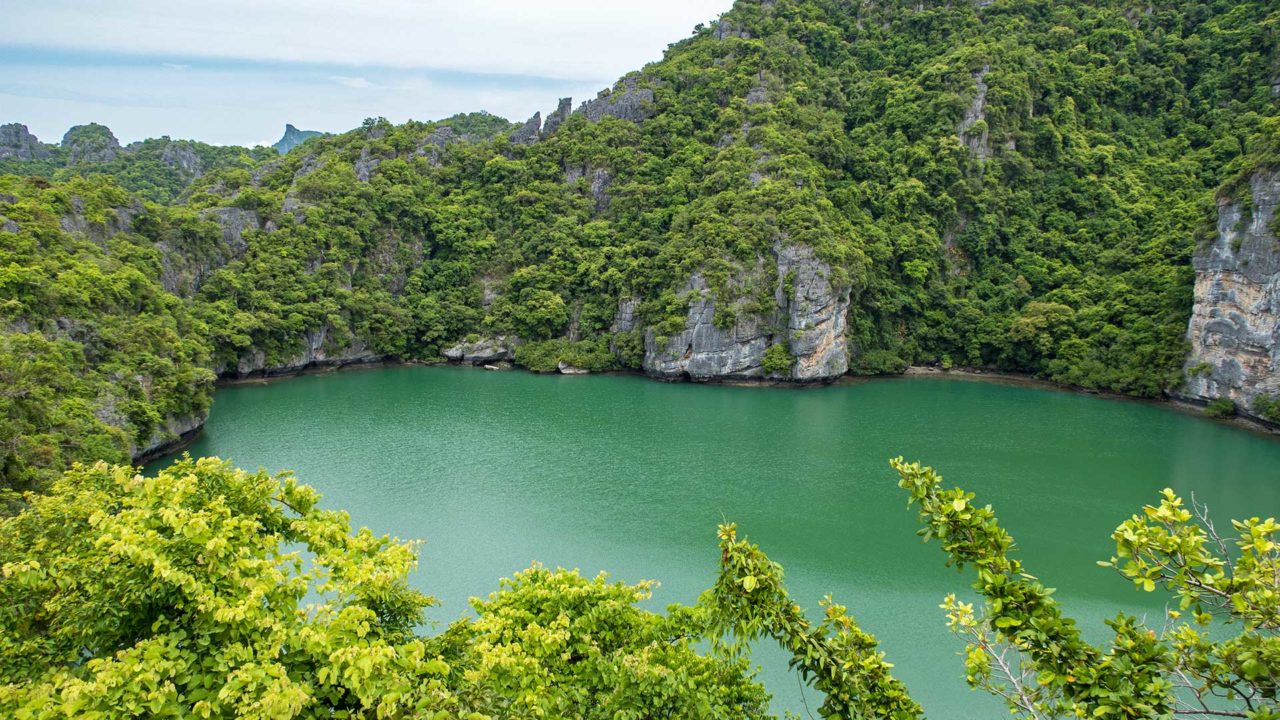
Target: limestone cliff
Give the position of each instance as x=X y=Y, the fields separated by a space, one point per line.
x=320 y=348
x=808 y=316
x=293 y=137
x=17 y=143
x=1235 y=322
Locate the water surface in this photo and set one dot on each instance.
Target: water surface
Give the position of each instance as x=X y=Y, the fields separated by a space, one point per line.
x=495 y=470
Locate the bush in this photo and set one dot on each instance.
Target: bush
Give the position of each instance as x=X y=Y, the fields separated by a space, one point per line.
x=1267 y=407
x=545 y=356
x=1221 y=408
x=778 y=361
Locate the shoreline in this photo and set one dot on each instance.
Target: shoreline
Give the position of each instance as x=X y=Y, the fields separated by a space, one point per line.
x=969 y=374
x=1174 y=402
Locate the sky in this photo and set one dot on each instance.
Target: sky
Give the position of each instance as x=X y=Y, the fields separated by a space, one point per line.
x=235 y=71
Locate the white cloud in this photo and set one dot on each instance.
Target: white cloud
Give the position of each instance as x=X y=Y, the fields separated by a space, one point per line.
x=569 y=39
x=357 y=83
x=233 y=71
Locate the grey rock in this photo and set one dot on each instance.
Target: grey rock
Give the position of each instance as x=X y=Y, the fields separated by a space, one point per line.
x=555 y=119
x=809 y=315
x=567 y=369
x=263 y=170
x=7 y=198
x=1235 y=320
x=528 y=133
x=598 y=183
x=8 y=225
x=184 y=267
x=176 y=432
x=816 y=312
x=433 y=145
x=234 y=223
x=978 y=143
x=117 y=220
x=319 y=349
x=309 y=164
x=293 y=137
x=183 y=156
x=17 y=143
x=482 y=352
x=631 y=103
x=92 y=143
x=625 y=319
x=725 y=30
x=365 y=165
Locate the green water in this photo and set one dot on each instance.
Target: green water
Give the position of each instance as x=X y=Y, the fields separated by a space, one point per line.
x=495 y=470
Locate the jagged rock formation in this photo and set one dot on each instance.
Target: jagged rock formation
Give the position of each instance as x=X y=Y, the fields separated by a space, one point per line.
x=17 y=143
x=529 y=132
x=809 y=317
x=725 y=29
x=562 y=113
x=115 y=220
x=186 y=261
x=631 y=103
x=598 y=183
x=1235 y=322
x=293 y=137
x=180 y=154
x=175 y=433
x=974 y=132
x=319 y=349
x=432 y=146
x=89 y=144
x=482 y=352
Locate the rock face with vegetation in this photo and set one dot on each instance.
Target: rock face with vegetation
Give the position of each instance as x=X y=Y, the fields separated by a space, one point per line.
x=17 y=143
x=799 y=189
x=1235 y=322
x=799 y=326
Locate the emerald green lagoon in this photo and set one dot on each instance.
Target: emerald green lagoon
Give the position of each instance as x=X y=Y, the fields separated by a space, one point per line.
x=496 y=470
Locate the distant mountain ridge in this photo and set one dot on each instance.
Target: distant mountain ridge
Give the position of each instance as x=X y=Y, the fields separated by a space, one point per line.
x=293 y=137
x=159 y=169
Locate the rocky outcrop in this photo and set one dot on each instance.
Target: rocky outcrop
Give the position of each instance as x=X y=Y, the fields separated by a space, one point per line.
x=555 y=119
x=631 y=103
x=816 y=313
x=598 y=180
x=320 y=349
x=187 y=260
x=809 y=317
x=7 y=225
x=114 y=220
x=433 y=145
x=725 y=30
x=626 y=318
x=365 y=165
x=177 y=431
x=293 y=137
x=1235 y=321
x=529 y=132
x=482 y=352
x=973 y=131
x=92 y=143
x=182 y=155
x=17 y=143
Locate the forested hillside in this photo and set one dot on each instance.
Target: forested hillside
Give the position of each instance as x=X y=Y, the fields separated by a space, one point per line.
x=801 y=188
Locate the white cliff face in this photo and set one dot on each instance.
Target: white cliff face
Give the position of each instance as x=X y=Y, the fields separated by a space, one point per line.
x=809 y=317
x=1235 y=322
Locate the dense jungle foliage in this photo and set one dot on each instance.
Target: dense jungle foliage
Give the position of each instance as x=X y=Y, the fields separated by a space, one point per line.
x=1018 y=185
x=211 y=592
